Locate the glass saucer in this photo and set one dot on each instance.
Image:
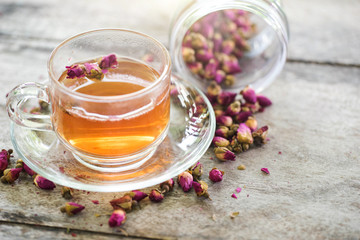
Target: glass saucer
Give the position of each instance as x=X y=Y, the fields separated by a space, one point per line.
x=191 y=129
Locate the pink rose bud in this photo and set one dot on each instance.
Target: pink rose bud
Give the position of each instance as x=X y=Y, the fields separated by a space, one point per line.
x=195 y=67
x=149 y=58
x=260 y=135
x=185 y=180
x=231 y=67
x=230 y=14
x=263 y=101
x=222 y=131
x=124 y=202
x=167 y=186
x=228 y=46
x=188 y=54
x=187 y=41
x=251 y=123
x=227 y=27
x=265 y=170
x=224 y=154
x=138 y=195
x=156 y=196
x=198 y=41
x=243 y=134
x=210 y=69
x=29 y=170
x=233 y=109
x=218 y=39
x=216 y=175
x=92 y=71
x=238 y=53
x=249 y=95
x=210 y=18
x=196 y=27
x=3 y=161
x=225 y=98
x=11 y=175
x=43 y=183
x=243 y=116
x=241 y=42
x=224 y=121
x=220 y=142
x=196 y=170
x=108 y=61
x=72 y=208
x=219 y=76
x=201 y=188
x=204 y=55
x=207 y=31
x=117 y=218
x=75 y=71
x=213 y=90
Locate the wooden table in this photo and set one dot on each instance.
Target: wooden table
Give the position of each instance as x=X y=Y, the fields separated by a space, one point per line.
x=313 y=191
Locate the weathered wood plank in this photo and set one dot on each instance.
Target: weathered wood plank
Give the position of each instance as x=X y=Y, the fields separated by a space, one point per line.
x=311 y=193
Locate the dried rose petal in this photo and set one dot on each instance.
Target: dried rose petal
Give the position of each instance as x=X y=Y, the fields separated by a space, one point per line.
x=249 y=95
x=216 y=175
x=185 y=180
x=108 y=61
x=117 y=218
x=224 y=154
x=11 y=175
x=265 y=170
x=263 y=101
x=220 y=142
x=238 y=190
x=72 y=208
x=156 y=196
x=233 y=196
x=43 y=183
x=95 y=201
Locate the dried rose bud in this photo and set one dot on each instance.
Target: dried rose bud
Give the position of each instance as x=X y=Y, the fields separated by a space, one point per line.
x=222 y=131
x=227 y=27
x=204 y=55
x=216 y=175
x=167 y=186
x=187 y=41
x=245 y=146
x=238 y=53
x=201 y=188
x=243 y=116
x=249 y=95
x=198 y=41
x=207 y=31
x=75 y=71
x=251 y=123
x=265 y=170
x=28 y=170
x=218 y=112
x=224 y=154
x=260 y=135
x=225 y=98
x=3 y=161
x=231 y=67
x=219 y=76
x=108 y=61
x=43 y=183
x=263 y=101
x=137 y=195
x=244 y=134
x=217 y=40
x=220 y=142
x=233 y=109
x=6 y=154
x=124 y=202
x=72 y=208
x=188 y=54
x=19 y=164
x=210 y=69
x=253 y=107
x=67 y=192
x=185 y=180
x=224 y=121
x=235 y=145
x=229 y=80
x=149 y=58
x=197 y=170
x=156 y=196
x=233 y=130
x=228 y=46
x=230 y=14
x=10 y=175
x=195 y=67
x=117 y=218
x=92 y=71
x=213 y=90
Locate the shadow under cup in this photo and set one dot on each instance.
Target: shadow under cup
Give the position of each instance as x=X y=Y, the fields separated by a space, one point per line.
x=111 y=133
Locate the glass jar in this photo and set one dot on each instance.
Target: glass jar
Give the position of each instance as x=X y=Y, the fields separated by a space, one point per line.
x=260 y=58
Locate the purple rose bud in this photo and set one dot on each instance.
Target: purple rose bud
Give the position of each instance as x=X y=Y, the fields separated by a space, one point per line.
x=156 y=196
x=217 y=40
x=3 y=161
x=233 y=109
x=196 y=170
x=195 y=67
x=167 y=186
x=227 y=27
x=228 y=46
x=224 y=154
x=198 y=41
x=187 y=41
x=188 y=54
x=263 y=101
x=225 y=98
x=229 y=80
x=219 y=76
x=249 y=95
x=92 y=71
x=207 y=31
x=75 y=71
x=124 y=202
x=43 y=183
x=210 y=18
x=213 y=90
x=231 y=66
x=251 y=123
x=260 y=135
x=196 y=27
x=241 y=42
x=108 y=61
x=210 y=69
x=72 y=208
x=201 y=188
x=222 y=131
x=117 y=218
x=11 y=175
x=220 y=142
x=243 y=134
x=224 y=121
x=238 y=53
x=204 y=55
x=138 y=195
x=185 y=180
x=230 y=14
x=243 y=116
x=216 y=175
x=265 y=170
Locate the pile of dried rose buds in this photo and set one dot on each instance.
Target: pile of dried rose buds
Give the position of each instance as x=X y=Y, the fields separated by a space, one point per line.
x=214 y=45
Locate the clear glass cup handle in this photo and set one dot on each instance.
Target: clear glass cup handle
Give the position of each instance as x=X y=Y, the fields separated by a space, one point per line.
x=18 y=96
